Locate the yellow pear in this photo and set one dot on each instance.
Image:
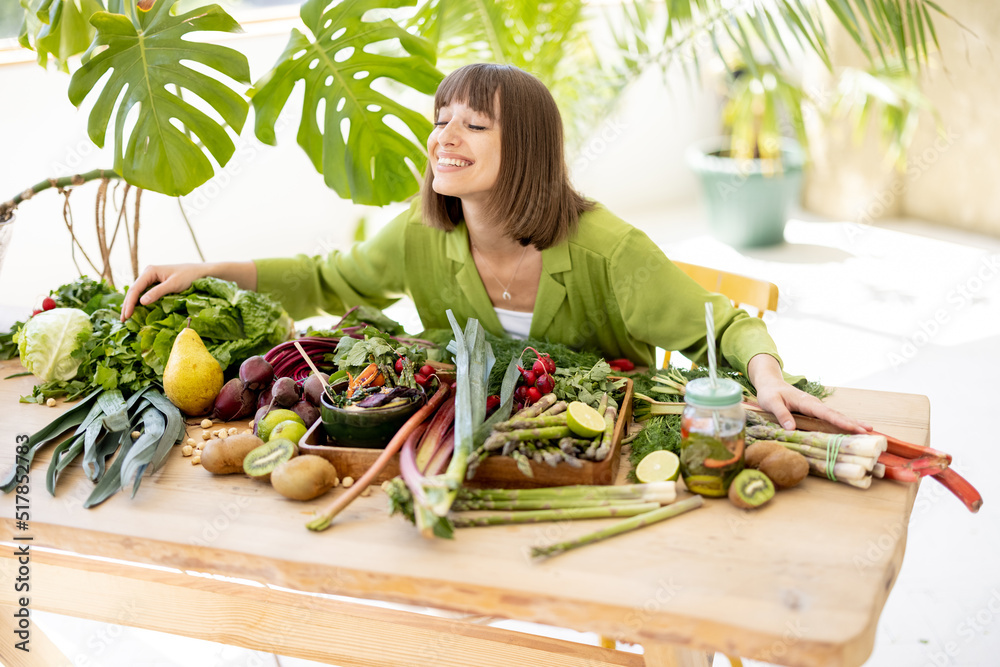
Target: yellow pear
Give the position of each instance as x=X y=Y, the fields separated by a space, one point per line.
x=192 y=378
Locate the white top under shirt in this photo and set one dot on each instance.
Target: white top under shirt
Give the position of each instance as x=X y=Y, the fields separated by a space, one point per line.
x=514 y=322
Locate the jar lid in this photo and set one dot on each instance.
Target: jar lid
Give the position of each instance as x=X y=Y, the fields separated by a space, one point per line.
x=725 y=393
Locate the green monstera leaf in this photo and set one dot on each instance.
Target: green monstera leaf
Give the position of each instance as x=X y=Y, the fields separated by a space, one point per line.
x=359 y=154
x=144 y=51
x=58 y=29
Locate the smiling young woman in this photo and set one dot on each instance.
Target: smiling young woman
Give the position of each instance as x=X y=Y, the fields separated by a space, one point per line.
x=500 y=234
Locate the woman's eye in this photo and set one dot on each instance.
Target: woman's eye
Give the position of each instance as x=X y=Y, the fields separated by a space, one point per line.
x=440 y=123
x=476 y=127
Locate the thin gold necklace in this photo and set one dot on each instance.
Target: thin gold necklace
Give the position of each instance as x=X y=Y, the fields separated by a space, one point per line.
x=505 y=288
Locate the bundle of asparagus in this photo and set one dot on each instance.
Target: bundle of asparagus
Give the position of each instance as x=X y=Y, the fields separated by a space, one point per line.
x=540 y=433
x=851 y=459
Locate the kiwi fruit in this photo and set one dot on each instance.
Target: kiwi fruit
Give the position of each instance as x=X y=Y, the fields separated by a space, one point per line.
x=224 y=456
x=760 y=450
x=304 y=477
x=262 y=461
x=750 y=489
x=785 y=468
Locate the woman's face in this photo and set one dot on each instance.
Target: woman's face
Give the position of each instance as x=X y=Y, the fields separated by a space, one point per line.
x=464 y=152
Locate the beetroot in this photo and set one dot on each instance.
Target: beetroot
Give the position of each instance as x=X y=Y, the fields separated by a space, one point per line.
x=256 y=373
x=308 y=412
x=234 y=401
x=285 y=392
x=312 y=388
x=265 y=397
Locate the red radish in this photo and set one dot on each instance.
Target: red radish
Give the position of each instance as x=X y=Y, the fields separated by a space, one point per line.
x=545 y=384
x=36 y=311
x=543 y=362
x=521 y=394
x=621 y=365
x=399 y=364
x=48 y=303
x=492 y=403
x=533 y=394
x=529 y=377
x=420 y=379
x=427 y=370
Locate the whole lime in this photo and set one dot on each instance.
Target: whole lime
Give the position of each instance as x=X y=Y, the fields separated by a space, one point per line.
x=272 y=419
x=289 y=429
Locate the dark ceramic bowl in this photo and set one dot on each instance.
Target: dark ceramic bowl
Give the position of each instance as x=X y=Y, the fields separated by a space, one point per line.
x=371 y=428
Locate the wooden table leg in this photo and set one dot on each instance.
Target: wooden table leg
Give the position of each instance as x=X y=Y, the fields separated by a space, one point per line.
x=667 y=655
x=41 y=650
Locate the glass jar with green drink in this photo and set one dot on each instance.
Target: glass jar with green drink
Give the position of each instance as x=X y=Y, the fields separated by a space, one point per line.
x=712 y=435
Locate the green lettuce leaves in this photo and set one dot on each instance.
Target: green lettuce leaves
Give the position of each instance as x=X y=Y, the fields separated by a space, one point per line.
x=47 y=341
x=233 y=323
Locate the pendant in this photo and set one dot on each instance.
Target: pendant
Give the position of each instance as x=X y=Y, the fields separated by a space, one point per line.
x=506 y=295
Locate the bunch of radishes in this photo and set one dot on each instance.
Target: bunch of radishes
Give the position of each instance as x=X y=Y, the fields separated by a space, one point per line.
x=536 y=381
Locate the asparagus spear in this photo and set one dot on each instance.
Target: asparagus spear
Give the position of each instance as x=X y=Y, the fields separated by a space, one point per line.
x=861 y=445
x=498 y=439
x=522 y=423
x=609 y=430
x=566 y=514
x=536 y=408
x=575 y=496
x=558 y=408
x=624 y=526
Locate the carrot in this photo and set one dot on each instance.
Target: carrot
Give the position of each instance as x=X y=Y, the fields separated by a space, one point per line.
x=325 y=518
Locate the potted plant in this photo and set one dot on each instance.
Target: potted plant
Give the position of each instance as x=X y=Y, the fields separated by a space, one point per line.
x=753 y=174
x=368 y=145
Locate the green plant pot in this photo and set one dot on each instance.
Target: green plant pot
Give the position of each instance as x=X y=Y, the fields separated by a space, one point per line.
x=370 y=428
x=747 y=204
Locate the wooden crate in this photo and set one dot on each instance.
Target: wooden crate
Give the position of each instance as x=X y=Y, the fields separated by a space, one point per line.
x=494 y=472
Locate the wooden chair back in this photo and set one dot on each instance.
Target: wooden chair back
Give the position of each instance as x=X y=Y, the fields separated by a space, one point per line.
x=741 y=290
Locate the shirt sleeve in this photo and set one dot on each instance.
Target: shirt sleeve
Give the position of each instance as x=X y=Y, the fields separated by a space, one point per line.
x=371 y=273
x=662 y=306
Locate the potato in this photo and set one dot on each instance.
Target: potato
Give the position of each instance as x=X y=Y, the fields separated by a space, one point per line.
x=785 y=468
x=304 y=477
x=224 y=456
x=760 y=450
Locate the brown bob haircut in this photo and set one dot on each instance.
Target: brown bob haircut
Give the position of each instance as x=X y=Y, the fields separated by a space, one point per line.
x=533 y=199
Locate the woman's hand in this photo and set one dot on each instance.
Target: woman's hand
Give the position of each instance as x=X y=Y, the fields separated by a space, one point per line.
x=781 y=399
x=172 y=278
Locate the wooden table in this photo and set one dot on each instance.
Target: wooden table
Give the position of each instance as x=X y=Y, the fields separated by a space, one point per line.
x=799 y=582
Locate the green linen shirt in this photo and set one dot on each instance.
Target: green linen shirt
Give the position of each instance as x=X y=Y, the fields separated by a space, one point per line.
x=608 y=287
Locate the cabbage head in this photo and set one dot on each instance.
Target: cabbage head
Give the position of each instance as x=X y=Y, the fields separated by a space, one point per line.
x=47 y=341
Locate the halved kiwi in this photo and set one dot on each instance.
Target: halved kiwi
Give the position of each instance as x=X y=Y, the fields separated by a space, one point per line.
x=260 y=462
x=751 y=489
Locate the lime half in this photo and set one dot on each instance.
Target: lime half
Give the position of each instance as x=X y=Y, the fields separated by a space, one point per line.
x=584 y=420
x=660 y=466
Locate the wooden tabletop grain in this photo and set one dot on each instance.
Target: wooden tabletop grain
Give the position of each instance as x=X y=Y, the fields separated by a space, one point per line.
x=800 y=582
